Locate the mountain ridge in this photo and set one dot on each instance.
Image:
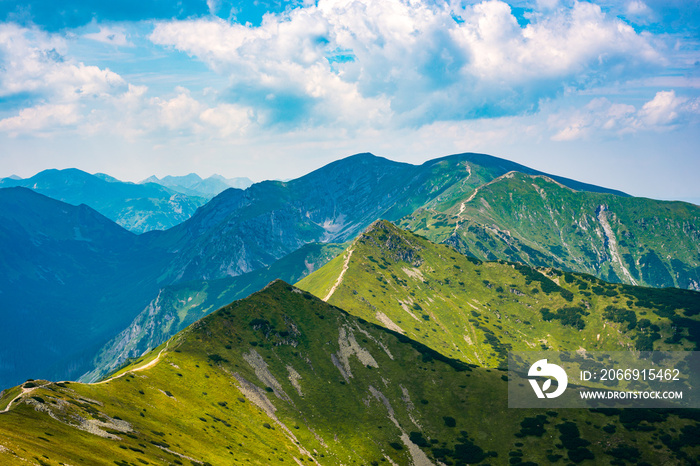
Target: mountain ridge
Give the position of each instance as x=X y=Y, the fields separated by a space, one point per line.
x=531 y=220
x=137 y=207
x=283 y=377
x=477 y=311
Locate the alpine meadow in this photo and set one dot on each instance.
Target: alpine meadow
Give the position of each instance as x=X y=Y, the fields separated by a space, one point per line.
x=195 y=269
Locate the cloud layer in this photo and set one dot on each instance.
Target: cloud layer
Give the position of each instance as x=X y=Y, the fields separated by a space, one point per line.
x=410 y=61
x=350 y=66
x=662 y=113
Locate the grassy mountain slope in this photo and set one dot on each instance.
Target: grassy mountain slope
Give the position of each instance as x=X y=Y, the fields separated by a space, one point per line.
x=240 y=231
x=136 y=207
x=537 y=221
x=62 y=281
x=477 y=311
x=282 y=377
x=178 y=306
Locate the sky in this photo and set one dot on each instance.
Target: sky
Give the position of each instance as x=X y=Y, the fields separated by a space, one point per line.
x=603 y=92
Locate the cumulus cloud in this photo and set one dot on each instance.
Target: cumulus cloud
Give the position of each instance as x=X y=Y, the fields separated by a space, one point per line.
x=40 y=118
x=411 y=62
x=33 y=62
x=55 y=88
x=664 y=112
x=111 y=36
x=344 y=65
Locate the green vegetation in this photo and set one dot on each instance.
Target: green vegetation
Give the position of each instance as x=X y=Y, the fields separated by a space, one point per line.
x=314 y=375
x=478 y=311
x=537 y=221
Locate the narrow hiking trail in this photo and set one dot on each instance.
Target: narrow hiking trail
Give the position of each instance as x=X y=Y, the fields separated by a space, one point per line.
x=26 y=391
x=136 y=369
x=473 y=195
x=340 y=277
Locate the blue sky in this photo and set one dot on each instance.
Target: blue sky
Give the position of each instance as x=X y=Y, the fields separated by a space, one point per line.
x=604 y=92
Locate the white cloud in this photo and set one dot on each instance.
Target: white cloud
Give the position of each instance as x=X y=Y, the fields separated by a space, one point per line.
x=348 y=66
x=111 y=36
x=663 y=109
x=34 y=62
x=179 y=112
x=411 y=61
x=664 y=112
x=637 y=7
x=41 y=118
x=228 y=119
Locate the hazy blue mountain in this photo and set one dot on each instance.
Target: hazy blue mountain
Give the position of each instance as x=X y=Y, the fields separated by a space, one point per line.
x=194 y=185
x=177 y=306
x=69 y=280
x=136 y=207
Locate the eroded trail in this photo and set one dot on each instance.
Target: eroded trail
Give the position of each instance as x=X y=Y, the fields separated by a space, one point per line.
x=26 y=391
x=136 y=369
x=340 y=277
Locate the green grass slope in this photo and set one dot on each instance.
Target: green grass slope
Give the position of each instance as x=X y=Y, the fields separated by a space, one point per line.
x=283 y=378
x=478 y=311
x=540 y=222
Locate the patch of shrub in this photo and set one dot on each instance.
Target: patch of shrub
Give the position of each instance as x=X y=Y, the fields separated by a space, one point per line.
x=610 y=429
x=569 y=316
x=533 y=426
x=216 y=358
x=418 y=439
x=625 y=452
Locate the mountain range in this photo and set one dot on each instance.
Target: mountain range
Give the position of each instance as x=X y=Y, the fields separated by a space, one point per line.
x=391 y=347
x=194 y=185
x=240 y=232
x=153 y=204
x=136 y=207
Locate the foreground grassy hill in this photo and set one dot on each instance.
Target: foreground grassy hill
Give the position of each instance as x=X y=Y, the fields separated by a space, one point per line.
x=282 y=377
x=477 y=311
x=538 y=221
